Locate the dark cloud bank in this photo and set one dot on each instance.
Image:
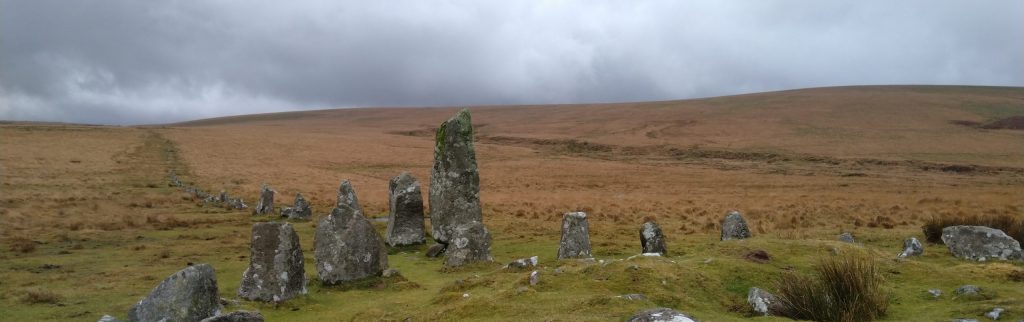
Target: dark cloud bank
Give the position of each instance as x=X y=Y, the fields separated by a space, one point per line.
x=128 y=62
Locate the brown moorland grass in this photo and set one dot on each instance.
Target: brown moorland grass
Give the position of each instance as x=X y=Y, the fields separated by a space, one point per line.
x=802 y=166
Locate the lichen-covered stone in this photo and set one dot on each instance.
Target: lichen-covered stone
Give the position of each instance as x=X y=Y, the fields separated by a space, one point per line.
x=405 y=218
x=188 y=295
x=911 y=247
x=575 y=242
x=980 y=243
x=763 y=302
x=534 y=278
x=734 y=226
x=276 y=269
x=661 y=314
x=265 y=205
x=470 y=242
x=454 y=179
x=846 y=238
x=300 y=210
x=237 y=316
x=346 y=246
x=522 y=263
x=652 y=240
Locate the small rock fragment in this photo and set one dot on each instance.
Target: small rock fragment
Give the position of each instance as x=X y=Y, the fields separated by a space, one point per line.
x=534 y=278
x=661 y=314
x=633 y=297
x=994 y=314
x=911 y=247
x=967 y=290
x=237 y=316
x=435 y=250
x=107 y=318
x=522 y=263
x=935 y=293
x=847 y=238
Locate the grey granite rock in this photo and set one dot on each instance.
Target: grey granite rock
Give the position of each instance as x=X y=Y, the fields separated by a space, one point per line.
x=661 y=315
x=265 y=205
x=237 y=316
x=346 y=246
x=734 y=226
x=652 y=240
x=980 y=243
x=454 y=179
x=188 y=295
x=276 y=269
x=405 y=218
x=575 y=242
x=470 y=242
x=911 y=247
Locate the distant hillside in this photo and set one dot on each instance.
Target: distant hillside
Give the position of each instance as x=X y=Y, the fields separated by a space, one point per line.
x=882 y=122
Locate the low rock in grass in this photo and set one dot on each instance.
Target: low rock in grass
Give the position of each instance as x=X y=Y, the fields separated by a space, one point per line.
x=911 y=247
x=847 y=238
x=661 y=314
x=435 y=250
x=763 y=302
x=980 y=243
x=188 y=295
x=522 y=263
x=236 y=316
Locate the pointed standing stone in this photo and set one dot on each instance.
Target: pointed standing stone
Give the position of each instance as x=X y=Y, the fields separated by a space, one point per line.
x=266 y=202
x=734 y=227
x=188 y=295
x=346 y=246
x=652 y=240
x=276 y=268
x=405 y=219
x=575 y=241
x=454 y=179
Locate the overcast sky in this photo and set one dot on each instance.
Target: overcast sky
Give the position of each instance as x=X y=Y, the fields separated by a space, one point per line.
x=132 y=62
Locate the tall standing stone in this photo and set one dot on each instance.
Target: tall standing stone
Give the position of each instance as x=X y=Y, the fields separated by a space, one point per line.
x=405 y=219
x=276 y=268
x=454 y=179
x=652 y=240
x=346 y=246
x=575 y=241
x=734 y=227
x=266 y=202
x=188 y=295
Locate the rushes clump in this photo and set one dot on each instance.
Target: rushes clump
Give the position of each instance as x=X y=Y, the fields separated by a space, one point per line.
x=1009 y=224
x=842 y=288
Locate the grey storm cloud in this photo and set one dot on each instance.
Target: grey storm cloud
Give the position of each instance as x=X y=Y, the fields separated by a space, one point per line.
x=131 y=62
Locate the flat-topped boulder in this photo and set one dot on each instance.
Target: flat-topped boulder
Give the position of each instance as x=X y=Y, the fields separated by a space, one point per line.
x=734 y=226
x=575 y=242
x=346 y=246
x=469 y=243
x=265 y=205
x=980 y=243
x=188 y=295
x=276 y=269
x=652 y=240
x=405 y=216
x=454 y=178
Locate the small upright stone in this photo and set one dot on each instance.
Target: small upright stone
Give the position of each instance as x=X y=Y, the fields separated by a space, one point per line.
x=846 y=238
x=575 y=241
x=469 y=243
x=300 y=210
x=405 y=219
x=276 y=267
x=661 y=314
x=266 y=202
x=346 y=246
x=734 y=226
x=454 y=179
x=911 y=247
x=980 y=243
x=763 y=302
x=534 y=278
x=188 y=295
x=652 y=240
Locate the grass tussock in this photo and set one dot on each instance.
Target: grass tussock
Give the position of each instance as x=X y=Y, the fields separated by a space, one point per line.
x=21 y=244
x=847 y=288
x=41 y=296
x=1009 y=224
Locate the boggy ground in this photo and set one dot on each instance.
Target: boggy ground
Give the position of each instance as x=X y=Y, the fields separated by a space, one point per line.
x=90 y=225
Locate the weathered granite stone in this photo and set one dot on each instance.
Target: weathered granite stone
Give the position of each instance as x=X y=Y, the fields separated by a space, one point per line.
x=276 y=267
x=995 y=313
x=346 y=246
x=935 y=293
x=763 y=302
x=470 y=242
x=734 y=226
x=405 y=219
x=522 y=263
x=300 y=210
x=534 y=278
x=222 y=196
x=652 y=240
x=661 y=314
x=435 y=250
x=107 y=318
x=575 y=241
x=188 y=295
x=911 y=247
x=237 y=316
x=847 y=238
x=633 y=297
x=979 y=243
x=266 y=203
x=454 y=179
x=967 y=290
